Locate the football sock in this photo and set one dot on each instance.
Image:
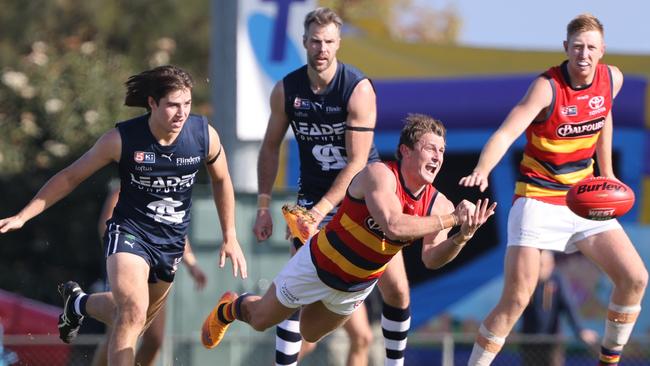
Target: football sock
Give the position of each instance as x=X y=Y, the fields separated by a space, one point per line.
x=288 y=341
x=485 y=348
x=228 y=312
x=395 y=325
x=609 y=357
x=80 y=304
x=618 y=328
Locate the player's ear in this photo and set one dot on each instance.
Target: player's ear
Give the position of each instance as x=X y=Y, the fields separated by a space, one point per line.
x=152 y=102
x=566 y=46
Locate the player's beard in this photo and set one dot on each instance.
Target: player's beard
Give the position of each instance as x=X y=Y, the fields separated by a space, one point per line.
x=313 y=63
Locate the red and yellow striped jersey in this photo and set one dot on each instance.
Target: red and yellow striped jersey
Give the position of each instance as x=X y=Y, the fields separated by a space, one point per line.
x=351 y=252
x=559 y=149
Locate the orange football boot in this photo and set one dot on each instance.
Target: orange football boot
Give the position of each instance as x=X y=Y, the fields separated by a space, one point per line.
x=293 y=213
x=213 y=329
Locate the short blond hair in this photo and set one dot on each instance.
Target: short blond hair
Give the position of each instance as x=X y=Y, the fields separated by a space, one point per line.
x=322 y=16
x=584 y=23
x=415 y=126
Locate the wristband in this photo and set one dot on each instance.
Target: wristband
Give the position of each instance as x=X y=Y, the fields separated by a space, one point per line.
x=317 y=212
x=322 y=207
x=263 y=200
x=442 y=226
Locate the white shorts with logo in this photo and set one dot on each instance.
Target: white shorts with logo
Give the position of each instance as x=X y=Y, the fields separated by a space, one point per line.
x=533 y=223
x=298 y=284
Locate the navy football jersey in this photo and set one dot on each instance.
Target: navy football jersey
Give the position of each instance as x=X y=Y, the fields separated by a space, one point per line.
x=156 y=181
x=318 y=122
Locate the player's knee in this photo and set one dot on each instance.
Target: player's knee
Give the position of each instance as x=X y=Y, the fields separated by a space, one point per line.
x=398 y=299
x=640 y=280
x=633 y=281
x=361 y=341
x=132 y=315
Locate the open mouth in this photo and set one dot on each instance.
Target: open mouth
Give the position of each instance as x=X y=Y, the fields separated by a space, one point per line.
x=432 y=167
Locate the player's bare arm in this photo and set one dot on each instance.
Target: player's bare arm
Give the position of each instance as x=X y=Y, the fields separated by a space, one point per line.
x=107 y=210
x=538 y=97
x=438 y=248
x=362 y=116
x=107 y=149
x=268 y=160
x=376 y=184
x=224 y=199
x=604 y=143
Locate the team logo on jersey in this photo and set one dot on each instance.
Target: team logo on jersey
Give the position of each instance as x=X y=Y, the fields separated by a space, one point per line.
x=570 y=110
x=581 y=129
x=300 y=103
x=143 y=157
x=164 y=211
x=329 y=157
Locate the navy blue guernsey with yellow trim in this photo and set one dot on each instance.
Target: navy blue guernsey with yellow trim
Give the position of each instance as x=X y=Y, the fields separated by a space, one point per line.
x=318 y=122
x=156 y=181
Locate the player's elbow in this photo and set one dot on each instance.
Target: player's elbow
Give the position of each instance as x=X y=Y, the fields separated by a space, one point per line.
x=395 y=231
x=432 y=264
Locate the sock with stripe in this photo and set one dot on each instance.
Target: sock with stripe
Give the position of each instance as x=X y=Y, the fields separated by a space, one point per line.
x=618 y=328
x=609 y=357
x=80 y=304
x=395 y=325
x=229 y=311
x=288 y=341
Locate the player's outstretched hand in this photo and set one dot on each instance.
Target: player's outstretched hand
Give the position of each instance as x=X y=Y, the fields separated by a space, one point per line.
x=232 y=250
x=474 y=216
x=475 y=179
x=263 y=228
x=10 y=224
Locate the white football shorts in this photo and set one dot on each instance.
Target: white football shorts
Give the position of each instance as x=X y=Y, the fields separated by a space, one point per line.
x=298 y=284
x=533 y=223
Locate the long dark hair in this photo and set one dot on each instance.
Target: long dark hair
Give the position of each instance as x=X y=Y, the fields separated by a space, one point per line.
x=155 y=83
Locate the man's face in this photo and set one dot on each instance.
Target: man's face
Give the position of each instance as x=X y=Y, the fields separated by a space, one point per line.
x=321 y=43
x=425 y=159
x=171 y=112
x=584 y=50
